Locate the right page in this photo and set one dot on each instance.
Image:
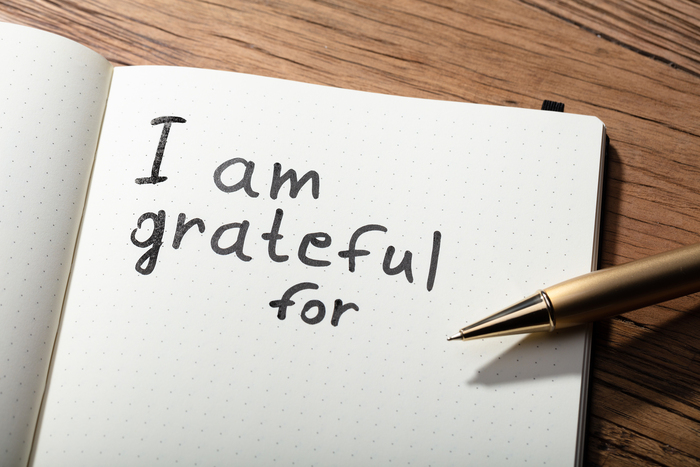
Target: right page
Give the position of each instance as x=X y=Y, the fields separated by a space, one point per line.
x=268 y=271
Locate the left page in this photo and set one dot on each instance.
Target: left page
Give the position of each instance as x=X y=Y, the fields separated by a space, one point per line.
x=52 y=97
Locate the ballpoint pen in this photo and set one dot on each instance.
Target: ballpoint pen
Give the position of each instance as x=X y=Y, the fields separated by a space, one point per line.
x=596 y=295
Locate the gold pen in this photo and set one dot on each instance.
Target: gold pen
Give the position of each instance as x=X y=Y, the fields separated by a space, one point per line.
x=596 y=295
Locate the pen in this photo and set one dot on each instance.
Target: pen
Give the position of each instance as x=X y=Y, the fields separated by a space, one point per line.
x=596 y=295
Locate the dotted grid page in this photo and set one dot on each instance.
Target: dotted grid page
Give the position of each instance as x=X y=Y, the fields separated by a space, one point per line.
x=217 y=316
x=52 y=98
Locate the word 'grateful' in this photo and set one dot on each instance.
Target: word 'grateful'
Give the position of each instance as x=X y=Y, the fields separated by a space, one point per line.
x=320 y=240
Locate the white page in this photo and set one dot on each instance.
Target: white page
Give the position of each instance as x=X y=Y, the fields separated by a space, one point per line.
x=189 y=364
x=52 y=98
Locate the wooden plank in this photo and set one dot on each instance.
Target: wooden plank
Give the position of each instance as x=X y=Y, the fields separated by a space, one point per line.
x=612 y=444
x=667 y=30
x=646 y=400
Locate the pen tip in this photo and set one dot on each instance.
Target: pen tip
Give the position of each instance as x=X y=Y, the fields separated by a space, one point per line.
x=455 y=337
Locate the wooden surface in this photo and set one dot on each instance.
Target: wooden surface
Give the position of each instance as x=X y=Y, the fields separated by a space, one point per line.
x=635 y=64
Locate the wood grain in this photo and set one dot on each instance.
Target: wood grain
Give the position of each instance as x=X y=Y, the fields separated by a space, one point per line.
x=667 y=31
x=633 y=63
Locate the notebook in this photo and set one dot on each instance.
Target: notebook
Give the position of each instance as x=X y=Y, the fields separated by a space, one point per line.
x=210 y=268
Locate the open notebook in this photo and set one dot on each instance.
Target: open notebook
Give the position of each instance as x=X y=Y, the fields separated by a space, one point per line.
x=210 y=268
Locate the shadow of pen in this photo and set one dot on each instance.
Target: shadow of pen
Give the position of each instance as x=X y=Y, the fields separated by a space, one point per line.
x=536 y=356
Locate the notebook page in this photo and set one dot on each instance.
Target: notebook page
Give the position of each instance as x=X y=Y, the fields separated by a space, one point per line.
x=52 y=94
x=181 y=356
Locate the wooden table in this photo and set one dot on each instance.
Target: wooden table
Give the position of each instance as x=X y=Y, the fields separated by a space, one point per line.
x=635 y=64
